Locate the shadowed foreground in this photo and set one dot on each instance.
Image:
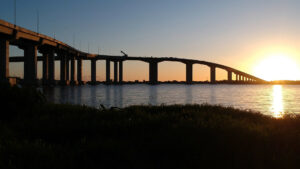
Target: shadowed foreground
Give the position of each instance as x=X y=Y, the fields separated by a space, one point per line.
x=37 y=134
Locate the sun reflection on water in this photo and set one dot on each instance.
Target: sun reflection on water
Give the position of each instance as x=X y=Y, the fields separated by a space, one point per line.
x=277 y=106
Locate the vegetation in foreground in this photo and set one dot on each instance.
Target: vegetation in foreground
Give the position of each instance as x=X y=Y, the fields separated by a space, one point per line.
x=37 y=134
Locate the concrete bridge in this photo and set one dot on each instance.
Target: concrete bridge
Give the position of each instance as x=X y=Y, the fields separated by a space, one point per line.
x=32 y=42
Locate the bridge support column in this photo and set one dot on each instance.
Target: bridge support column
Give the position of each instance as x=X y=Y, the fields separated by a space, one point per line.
x=152 y=72
x=107 y=71
x=229 y=76
x=45 y=67
x=189 y=73
x=93 y=71
x=63 y=67
x=120 y=72
x=30 y=64
x=67 y=68
x=79 y=71
x=115 y=71
x=72 y=59
x=51 y=67
x=4 y=60
x=212 y=74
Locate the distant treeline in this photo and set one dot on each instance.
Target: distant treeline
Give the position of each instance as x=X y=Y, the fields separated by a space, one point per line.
x=296 y=82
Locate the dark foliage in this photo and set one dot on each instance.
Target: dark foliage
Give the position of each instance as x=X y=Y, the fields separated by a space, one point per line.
x=43 y=135
x=15 y=100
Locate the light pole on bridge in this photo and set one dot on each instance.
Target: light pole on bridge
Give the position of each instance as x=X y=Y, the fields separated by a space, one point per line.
x=37 y=21
x=15 y=13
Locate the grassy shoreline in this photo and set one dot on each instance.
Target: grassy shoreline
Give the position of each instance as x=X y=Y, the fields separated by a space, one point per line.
x=37 y=134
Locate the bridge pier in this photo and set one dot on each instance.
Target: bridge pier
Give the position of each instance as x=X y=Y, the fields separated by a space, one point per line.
x=67 y=67
x=120 y=72
x=4 y=60
x=93 y=71
x=115 y=72
x=107 y=71
x=79 y=70
x=72 y=60
x=48 y=65
x=63 y=67
x=189 y=73
x=45 y=67
x=30 y=64
x=153 y=72
x=212 y=74
x=229 y=76
x=51 y=67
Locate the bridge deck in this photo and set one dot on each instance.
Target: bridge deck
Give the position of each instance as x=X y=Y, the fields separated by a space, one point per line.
x=19 y=36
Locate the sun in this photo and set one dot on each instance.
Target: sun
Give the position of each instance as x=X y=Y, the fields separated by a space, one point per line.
x=277 y=67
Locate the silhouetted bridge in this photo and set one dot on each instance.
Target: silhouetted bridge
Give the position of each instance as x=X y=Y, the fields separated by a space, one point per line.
x=31 y=42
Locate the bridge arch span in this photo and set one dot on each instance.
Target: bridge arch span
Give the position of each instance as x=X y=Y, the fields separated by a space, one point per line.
x=135 y=70
x=201 y=73
x=171 y=71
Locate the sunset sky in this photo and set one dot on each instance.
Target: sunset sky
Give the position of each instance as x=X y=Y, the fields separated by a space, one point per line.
x=260 y=37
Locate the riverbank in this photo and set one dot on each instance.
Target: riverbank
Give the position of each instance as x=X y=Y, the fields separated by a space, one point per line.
x=38 y=134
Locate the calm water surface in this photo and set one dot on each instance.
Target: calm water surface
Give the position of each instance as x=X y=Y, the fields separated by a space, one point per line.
x=268 y=99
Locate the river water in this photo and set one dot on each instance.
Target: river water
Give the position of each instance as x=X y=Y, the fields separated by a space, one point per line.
x=272 y=100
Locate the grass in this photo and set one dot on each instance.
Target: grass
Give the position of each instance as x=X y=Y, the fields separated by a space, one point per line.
x=37 y=134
